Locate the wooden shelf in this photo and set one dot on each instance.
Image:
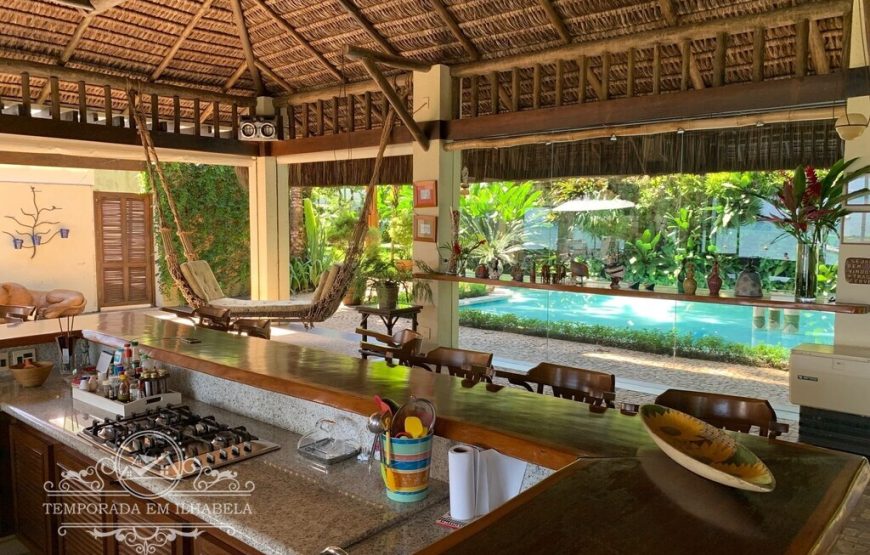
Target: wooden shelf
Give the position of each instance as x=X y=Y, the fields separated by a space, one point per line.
x=663 y=293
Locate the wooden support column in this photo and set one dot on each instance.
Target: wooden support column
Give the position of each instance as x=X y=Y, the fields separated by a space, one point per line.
x=493 y=91
x=817 y=50
x=559 y=77
x=657 y=70
x=269 y=198
x=515 y=90
x=439 y=321
x=629 y=72
x=758 y=54
x=475 y=98
x=582 y=68
x=801 y=47
x=536 y=87
x=719 y=59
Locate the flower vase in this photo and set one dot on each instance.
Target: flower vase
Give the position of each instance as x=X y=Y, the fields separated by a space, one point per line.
x=806 y=275
x=714 y=280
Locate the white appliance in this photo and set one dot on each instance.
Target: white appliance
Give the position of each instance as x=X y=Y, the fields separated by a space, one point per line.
x=830 y=377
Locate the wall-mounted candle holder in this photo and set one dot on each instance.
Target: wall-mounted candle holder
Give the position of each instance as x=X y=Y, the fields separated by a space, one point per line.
x=33 y=229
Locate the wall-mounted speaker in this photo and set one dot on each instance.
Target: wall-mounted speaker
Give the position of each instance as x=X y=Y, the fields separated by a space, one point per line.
x=258 y=128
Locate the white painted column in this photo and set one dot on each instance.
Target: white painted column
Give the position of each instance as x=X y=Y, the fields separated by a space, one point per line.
x=269 y=207
x=852 y=329
x=432 y=101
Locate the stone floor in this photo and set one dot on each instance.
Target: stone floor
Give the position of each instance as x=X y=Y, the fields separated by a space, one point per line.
x=640 y=377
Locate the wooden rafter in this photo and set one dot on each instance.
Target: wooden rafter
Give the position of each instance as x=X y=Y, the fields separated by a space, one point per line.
x=101 y=6
x=361 y=20
x=397 y=102
x=275 y=77
x=817 y=49
x=290 y=30
x=451 y=23
x=694 y=31
x=230 y=83
x=68 y=50
x=556 y=20
x=239 y=17
x=188 y=29
x=398 y=62
x=669 y=12
x=694 y=71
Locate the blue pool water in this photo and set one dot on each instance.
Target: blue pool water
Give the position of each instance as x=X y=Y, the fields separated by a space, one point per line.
x=730 y=322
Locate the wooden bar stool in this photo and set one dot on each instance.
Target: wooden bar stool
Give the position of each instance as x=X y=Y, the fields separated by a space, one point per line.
x=403 y=345
x=571 y=383
x=462 y=363
x=730 y=412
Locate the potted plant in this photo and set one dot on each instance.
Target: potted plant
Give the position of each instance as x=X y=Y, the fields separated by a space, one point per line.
x=808 y=207
x=645 y=258
x=384 y=278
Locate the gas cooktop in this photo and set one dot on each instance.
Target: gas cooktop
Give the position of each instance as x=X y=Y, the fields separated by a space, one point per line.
x=173 y=442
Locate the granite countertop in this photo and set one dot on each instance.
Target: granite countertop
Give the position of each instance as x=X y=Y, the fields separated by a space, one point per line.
x=295 y=507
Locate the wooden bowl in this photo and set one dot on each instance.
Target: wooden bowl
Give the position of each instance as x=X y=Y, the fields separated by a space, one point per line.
x=33 y=376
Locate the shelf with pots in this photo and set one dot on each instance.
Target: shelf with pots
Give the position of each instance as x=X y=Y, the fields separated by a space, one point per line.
x=783 y=301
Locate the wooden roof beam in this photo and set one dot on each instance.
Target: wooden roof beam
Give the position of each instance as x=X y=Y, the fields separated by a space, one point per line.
x=817 y=49
x=398 y=62
x=63 y=73
x=188 y=29
x=239 y=17
x=290 y=30
x=556 y=20
x=451 y=23
x=361 y=20
x=707 y=29
x=396 y=102
x=231 y=82
x=275 y=77
x=358 y=88
x=68 y=51
x=669 y=12
x=101 y=6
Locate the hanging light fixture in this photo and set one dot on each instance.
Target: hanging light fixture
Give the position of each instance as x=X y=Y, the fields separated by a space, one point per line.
x=851 y=126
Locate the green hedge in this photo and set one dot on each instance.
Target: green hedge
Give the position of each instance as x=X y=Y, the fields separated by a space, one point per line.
x=472 y=290
x=645 y=340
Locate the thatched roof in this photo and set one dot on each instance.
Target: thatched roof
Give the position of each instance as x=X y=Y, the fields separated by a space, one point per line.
x=137 y=38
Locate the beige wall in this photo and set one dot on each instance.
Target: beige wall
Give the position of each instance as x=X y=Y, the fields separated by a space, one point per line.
x=853 y=330
x=117 y=181
x=62 y=263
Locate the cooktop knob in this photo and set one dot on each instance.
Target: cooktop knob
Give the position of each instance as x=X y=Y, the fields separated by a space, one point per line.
x=235 y=450
x=209 y=458
x=222 y=454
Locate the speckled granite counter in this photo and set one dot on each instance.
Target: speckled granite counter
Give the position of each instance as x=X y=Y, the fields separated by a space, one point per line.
x=295 y=507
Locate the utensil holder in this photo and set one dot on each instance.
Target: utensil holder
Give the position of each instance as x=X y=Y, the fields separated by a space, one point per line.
x=406 y=471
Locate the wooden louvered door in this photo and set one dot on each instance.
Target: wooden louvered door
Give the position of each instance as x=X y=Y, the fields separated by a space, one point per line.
x=125 y=256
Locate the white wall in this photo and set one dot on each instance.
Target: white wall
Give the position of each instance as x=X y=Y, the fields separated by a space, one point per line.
x=62 y=263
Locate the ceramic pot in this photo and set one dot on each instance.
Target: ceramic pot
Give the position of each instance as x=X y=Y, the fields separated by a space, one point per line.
x=714 y=281
x=517 y=274
x=388 y=296
x=748 y=282
x=481 y=272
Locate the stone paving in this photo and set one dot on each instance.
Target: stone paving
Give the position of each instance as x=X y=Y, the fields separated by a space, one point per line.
x=630 y=366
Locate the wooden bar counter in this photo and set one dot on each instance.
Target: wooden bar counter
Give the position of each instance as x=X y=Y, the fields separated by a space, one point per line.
x=615 y=492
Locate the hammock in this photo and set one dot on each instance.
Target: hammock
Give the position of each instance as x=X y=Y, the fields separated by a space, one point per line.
x=194 y=277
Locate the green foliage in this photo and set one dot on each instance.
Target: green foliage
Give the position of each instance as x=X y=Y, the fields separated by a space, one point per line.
x=213 y=205
x=495 y=212
x=650 y=341
x=827 y=278
x=472 y=290
x=646 y=260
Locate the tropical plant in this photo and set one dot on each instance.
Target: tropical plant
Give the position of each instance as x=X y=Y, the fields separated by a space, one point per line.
x=646 y=260
x=206 y=195
x=807 y=206
x=317 y=257
x=827 y=278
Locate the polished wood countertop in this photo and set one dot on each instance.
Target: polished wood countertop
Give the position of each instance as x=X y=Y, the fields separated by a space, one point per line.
x=543 y=430
x=615 y=492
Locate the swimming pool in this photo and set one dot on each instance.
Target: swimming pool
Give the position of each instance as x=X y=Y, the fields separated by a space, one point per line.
x=729 y=322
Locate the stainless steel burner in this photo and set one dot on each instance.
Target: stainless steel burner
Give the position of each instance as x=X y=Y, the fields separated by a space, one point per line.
x=202 y=442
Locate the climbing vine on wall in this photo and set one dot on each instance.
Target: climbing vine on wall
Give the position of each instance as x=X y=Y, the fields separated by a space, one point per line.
x=213 y=202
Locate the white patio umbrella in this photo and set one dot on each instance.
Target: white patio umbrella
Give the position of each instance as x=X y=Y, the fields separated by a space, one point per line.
x=593 y=205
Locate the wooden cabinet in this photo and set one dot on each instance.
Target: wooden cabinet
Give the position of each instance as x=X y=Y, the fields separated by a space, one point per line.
x=144 y=519
x=31 y=464
x=7 y=515
x=77 y=540
x=211 y=544
x=33 y=458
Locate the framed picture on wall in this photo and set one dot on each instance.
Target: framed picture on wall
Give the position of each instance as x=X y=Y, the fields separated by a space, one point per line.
x=425 y=228
x=425 y=194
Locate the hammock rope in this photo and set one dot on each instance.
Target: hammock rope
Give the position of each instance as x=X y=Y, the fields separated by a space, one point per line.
x=329 y=301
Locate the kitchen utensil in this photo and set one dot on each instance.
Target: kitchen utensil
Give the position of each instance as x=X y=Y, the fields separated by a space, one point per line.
x=414 y=427
x=386 y=424
x=382 y=405
x=421 y=408
x=374 y=426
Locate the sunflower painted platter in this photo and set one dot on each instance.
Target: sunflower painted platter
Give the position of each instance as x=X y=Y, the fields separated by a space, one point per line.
x=705 y=450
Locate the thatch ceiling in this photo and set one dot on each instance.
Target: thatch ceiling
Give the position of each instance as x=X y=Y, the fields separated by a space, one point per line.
x=197 y=44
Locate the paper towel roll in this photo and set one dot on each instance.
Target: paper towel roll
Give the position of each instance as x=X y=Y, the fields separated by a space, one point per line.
x=460 y=468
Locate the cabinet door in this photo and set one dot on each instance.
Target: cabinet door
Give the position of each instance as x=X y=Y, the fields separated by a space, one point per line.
x=7 y=524
x=208 y=544
x=31 y=468
x=145 y=519
x=77 y=541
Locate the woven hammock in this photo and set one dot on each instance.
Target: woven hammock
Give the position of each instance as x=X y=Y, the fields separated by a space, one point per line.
x=306 y=313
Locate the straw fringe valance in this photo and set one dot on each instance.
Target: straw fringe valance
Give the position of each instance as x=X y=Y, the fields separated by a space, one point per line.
x=396 y=170
x=772 y=147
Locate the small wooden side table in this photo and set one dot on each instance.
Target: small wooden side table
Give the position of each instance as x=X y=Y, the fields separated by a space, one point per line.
x=388 y=316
